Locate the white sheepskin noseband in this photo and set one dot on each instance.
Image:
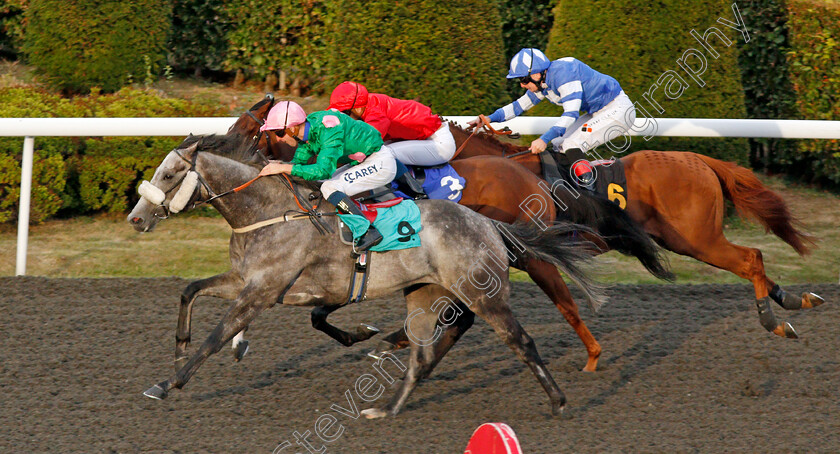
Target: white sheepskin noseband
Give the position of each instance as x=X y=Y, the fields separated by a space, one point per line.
x=151 y=193
x=184 y=193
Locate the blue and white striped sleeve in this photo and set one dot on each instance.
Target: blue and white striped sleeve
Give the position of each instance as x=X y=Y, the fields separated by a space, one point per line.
x=516 y=108
x=571 y=96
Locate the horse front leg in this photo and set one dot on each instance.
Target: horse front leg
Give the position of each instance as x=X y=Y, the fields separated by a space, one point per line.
x=319 y=321
x=225 y=285
x=253 y=299
x=546 y=276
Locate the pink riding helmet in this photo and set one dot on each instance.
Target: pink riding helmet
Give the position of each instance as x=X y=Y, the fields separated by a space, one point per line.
x=284 y=115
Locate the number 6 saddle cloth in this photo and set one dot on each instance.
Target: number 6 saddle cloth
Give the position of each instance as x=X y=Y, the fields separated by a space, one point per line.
x=610 y=179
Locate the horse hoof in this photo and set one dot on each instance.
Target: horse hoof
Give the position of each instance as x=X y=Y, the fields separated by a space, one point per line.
x=365 y=332
x=384 y=348
x=810 y=300
x=557 y=409
x=181 y=362
x=365 y=328
x=240 y=351
x=374 y=413
x=790 y=333
x=155 y=392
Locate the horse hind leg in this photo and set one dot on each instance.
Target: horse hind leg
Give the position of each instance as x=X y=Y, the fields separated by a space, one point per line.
x=397 y=340
x=806 y=300
x=423 y=360
x=748 y=264
x=497 y=313
x=430 y=343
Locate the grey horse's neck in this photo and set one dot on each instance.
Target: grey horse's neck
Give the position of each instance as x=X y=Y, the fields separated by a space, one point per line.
x=265 y=199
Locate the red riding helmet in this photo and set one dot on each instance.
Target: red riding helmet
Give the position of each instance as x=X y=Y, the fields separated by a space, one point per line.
x=348 y=95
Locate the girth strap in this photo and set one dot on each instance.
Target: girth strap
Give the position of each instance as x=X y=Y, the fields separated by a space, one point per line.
x=277 y=220
x=359 y=279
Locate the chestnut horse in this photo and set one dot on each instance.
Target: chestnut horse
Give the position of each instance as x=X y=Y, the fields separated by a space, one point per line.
x=504 y=191
x=678 y=197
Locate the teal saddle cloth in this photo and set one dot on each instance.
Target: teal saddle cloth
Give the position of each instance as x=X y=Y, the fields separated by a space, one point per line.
x=399 y=226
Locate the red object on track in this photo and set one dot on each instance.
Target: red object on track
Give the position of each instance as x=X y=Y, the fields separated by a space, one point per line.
x=493 y=438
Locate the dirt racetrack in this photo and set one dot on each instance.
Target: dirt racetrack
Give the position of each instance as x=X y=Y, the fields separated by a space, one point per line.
x=684 y=369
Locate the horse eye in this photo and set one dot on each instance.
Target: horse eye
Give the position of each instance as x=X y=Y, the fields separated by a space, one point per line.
x=167 y=176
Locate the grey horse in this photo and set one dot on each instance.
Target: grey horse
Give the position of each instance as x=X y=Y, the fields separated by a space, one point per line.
x=281 y=258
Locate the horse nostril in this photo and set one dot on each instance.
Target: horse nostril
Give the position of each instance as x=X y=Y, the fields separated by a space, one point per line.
x=136 y=220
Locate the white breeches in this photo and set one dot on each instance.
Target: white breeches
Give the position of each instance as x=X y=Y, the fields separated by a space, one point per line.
x=592 y=130
x=437 y=149
x=378 y=169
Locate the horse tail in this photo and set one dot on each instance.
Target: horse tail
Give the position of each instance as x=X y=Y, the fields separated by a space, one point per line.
x=618 y=230
x=754 y=200
x=560 y=244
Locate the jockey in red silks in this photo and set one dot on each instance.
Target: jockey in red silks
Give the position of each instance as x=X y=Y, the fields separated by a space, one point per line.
x=333 y=139
x=423 y=138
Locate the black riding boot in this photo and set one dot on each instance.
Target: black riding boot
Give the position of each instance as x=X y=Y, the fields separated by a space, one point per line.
x=411 y=187
x=346 y=206
x=582 y=172
x=574 y=154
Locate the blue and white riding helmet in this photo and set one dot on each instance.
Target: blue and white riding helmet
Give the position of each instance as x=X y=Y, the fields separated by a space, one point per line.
x=526 y=62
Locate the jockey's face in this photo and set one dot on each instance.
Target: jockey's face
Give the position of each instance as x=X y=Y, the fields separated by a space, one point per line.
x=530 y=82
x=356 y=113
x=288 y=137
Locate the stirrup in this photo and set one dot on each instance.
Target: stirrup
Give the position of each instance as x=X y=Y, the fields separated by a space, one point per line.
x=368 y=240
x=411 y=187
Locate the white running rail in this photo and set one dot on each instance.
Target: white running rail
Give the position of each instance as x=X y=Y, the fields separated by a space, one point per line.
x=29 y=128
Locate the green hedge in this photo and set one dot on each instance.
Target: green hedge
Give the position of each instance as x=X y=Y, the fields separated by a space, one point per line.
x=48 y=186
x=81 y=44
x=269 y=36
x=525 y=23
x=448 y=55
x=85 y=175
x=11 y=26
x=637 y=42
x=197 y=39
x=814 y=60
x=766 y=77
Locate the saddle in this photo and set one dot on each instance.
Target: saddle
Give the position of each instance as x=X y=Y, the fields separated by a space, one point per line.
x=439 y=182
x=370 y=212
x=610 y=181
x=400 y=223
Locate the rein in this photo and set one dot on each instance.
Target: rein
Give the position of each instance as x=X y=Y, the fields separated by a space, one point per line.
x=485 y=125
x=308 y=211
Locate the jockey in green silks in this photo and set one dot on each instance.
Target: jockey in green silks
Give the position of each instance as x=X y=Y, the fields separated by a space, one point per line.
x=334 y=139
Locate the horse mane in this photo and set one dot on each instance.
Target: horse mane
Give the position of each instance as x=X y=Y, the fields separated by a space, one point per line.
x=231 y=146
x=240 y=149
x=491 y=140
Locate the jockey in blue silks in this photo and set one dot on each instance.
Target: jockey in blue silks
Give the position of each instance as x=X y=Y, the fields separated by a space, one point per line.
x=570 y=83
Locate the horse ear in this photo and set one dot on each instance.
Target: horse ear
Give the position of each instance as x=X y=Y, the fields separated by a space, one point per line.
x=190 y=150
x=269 y=96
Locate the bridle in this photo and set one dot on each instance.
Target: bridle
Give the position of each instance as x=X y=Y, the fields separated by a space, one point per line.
x=485 y=126
x=250 y=113
x=307 y=210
